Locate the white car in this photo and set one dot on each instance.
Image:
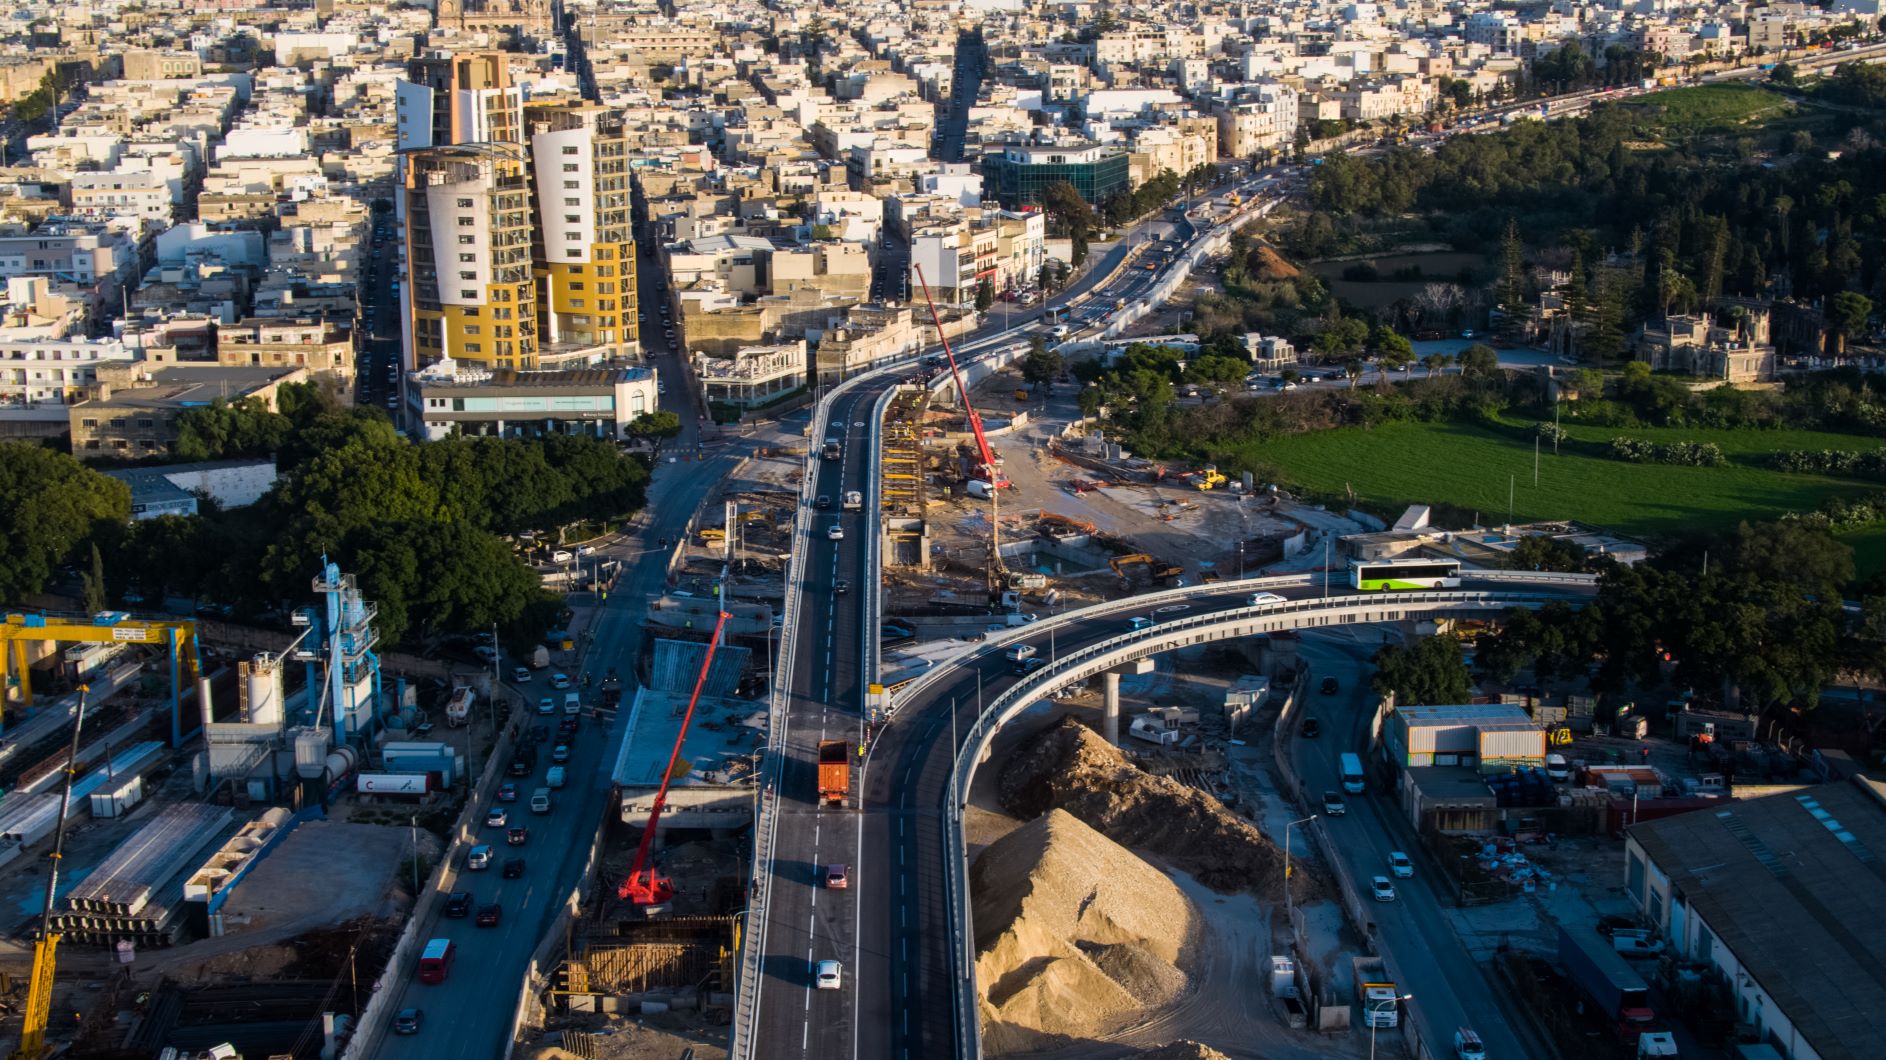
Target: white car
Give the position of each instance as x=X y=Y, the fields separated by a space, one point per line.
x=1399 y=865
x=1384 y=891
x=828 y=975
x=835 y=532
x=562 y=555
x=1260 y=599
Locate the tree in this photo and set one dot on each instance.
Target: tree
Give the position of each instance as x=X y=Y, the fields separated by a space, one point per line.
x=1041 y=365
x=1434 y=362
x=655 y=427
x=1393 y=349
x=1353 y=368
x=1538 y=552
x=50 y=505
x=1067 y=209
x=94 y=582
x=1216 y=371
x=1846 y=316
x=1429 y=672
x=1514 y=311
x=985 y=295
x=1479 y=361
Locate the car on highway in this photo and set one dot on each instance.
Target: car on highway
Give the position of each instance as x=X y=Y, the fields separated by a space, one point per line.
x=841 y=587
x=560 y=753
x=520 y=675
x=567 y=727
x=837 y=877
x=1260 y=599
x=1399 y=865
x=1333 y=804
x=497 y=817
x=1383 y=890
x=835 y=532
x=1310 y=729
x=559 y=681
x=1467 y=1045
x=458 y=904
x=514 y=868
x=1331 y=686
x=409 y=1020
x=507 y=792
x=490 y=915
x=1137 y=622
x=828 y=975
x=478 y=859
x=824 y=502
x=517 y=837
x=562 y=555
x=546 y=705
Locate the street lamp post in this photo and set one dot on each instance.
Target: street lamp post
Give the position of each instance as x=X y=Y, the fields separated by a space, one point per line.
x=1373 y=1024
x=1287 y=903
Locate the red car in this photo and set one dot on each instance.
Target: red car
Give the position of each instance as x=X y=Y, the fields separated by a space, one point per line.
x=489 y=915
x=517 y=837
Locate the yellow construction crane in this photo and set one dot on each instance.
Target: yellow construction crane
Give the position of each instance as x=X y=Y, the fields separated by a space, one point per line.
x=39 y=991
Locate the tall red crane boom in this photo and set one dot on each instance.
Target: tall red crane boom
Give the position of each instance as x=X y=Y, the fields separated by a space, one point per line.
x=983 y=451
x=655 y=888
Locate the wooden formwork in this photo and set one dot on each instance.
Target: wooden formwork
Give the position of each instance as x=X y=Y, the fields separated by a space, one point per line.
x=653 y=955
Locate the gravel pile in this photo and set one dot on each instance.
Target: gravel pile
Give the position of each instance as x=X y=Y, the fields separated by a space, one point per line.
x=1076 y=937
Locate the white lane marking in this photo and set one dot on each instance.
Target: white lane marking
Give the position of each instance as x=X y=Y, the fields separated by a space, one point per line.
x=805 y=1032
x=903 y=916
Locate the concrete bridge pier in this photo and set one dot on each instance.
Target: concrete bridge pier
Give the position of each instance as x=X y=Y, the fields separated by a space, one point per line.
x=1110 y=719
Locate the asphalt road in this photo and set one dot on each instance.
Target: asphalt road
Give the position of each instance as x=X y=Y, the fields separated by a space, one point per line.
x=905 y=916
x=470 y=1014
x=1450 y=988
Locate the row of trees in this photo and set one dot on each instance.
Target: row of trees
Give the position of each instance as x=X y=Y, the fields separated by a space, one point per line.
x=420 y=524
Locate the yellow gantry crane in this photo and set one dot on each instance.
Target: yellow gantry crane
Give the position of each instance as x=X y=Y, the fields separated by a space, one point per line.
x=39 y=991
x=107 y=627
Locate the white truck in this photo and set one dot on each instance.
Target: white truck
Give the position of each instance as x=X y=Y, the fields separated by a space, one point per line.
x=854 y=501
x=1375 y=992
x=458 y=708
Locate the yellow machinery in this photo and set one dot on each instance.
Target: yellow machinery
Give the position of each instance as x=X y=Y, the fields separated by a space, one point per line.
x=106 y=627
x=1120 y=563
x=1208 y=477
x=39 y=991
x=1558 y=735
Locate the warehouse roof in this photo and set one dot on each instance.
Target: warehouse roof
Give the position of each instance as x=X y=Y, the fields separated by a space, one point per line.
x=1792 y=884
x=1487 y=717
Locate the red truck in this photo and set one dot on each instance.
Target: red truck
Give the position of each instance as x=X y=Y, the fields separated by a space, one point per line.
x=834 y=771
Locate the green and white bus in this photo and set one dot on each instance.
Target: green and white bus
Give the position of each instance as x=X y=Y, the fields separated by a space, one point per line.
x=1404 y=574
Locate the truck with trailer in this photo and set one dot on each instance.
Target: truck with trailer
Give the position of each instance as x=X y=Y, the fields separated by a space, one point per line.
x=1375 y=993
x=834 y=771
x=1607 y=981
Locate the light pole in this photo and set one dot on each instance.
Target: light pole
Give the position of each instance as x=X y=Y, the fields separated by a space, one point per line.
x=413 y=820
x=1373 y=1024
x=1287 y=902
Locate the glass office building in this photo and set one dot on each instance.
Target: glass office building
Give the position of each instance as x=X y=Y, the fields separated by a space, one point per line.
x=1017 y=174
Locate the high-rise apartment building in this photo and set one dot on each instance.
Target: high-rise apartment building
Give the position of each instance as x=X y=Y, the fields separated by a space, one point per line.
x=518 y=241
x=471 y=295
x=585 y=251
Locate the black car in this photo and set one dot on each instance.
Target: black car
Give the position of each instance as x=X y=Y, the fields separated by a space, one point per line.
x=488 y=916
x=1310 y=728
x=841 y=587
x=824 y=501
x=409 y=1020
x=458 y=904
x=1330 y=686
x=513 y=868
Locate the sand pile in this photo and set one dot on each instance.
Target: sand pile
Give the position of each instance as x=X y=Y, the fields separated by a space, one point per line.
x=1266 y=264
x=1075 y=936
x=1183 y=1050
x=1070 y=767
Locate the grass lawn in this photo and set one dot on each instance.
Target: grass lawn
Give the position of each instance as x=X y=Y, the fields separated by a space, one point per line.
x=1470 y=467
x=1740 y=446
x=1714 y=106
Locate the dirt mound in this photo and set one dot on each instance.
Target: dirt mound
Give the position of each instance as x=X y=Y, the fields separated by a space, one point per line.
x=1070 y=767
x=1266 y=264
x=1183 y=1050
x=1075 y=937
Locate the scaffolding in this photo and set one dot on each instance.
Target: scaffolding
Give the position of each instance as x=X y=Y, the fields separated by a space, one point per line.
x=901 y=492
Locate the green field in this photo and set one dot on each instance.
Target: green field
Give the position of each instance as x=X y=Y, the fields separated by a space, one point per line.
x=1742 y=446
x=1710 y=106
x=1470 y=467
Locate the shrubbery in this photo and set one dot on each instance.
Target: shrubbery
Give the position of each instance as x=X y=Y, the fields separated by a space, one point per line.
x=1870 y=464
x=1691 y=454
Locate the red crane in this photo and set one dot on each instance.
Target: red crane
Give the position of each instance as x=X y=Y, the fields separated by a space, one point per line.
x=991 y=473
x=645 y=884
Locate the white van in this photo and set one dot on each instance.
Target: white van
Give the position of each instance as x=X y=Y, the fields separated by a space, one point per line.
x=572 y=703
x=540 y=801
x=555 y=777
x=479 y=858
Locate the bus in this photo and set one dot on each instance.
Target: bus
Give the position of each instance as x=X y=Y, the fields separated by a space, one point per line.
x=1352 y=774
x=1375 y=575
x=435 y=962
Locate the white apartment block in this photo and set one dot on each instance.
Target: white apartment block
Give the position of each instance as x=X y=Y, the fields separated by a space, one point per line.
x=54 y=371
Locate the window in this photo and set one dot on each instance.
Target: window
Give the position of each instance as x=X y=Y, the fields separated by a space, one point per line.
x=569 y=149
x=146 y=422
x=605 y=288
x=472 y=329
x=466 y=293
x=605 y=270
x=572 y=201
x=465 y=222
x=572 y=167
x=576 y=303
x=577 y=286
x=467 y=275
x=572 y=237
x=473 y=347
x=572 y=185
x=464 y=204
x=468 y=259
x=466 y=241
x=89 y=424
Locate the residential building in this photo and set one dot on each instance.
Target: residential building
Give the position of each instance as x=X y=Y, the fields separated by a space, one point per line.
x=135 y=412
x=1696 y=345
x=754 y=377
x=318 y=345
x=54 y=371
x=472 y=297
x=1270 y=353
x=584 y=255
